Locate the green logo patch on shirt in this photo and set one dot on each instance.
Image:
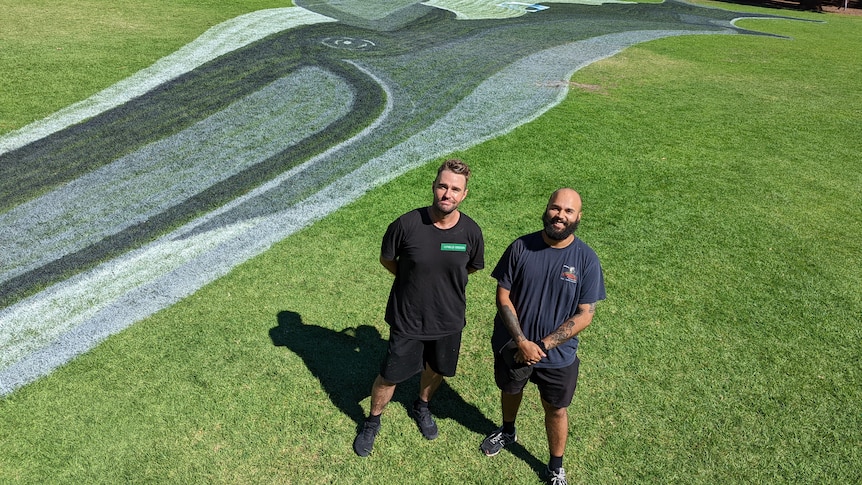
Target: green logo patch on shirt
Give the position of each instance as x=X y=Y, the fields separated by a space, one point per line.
x=453 y=247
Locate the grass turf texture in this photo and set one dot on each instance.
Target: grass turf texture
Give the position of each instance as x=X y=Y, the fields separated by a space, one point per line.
x=720 y=181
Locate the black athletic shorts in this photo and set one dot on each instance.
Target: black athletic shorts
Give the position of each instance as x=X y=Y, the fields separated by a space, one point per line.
x=407 y=357
x=556 y=386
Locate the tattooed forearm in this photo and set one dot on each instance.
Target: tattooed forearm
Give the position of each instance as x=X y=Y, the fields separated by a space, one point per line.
x=512 y=324
x=572 y=326
x=562 y=333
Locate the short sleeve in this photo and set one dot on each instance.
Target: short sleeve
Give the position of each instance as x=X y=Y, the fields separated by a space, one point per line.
x=504 y=270
x=592 y=280
x=392 y=240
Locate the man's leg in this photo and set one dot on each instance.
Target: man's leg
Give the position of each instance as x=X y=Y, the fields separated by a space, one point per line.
x=381 y=393
x=556 y=427
x=557 y=388
x=441 y=359
x=504 y=435
x=428 y=384
x=510 y=403
x=511 y=393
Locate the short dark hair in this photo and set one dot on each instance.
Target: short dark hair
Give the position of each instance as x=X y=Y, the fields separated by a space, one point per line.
x=456 y=166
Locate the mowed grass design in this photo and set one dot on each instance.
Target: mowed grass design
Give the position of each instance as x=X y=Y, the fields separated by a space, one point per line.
x=720 y=183
x=454 y=57
x=157 y=238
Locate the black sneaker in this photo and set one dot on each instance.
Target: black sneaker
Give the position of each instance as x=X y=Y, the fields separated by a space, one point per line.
x=496 y=441
x=556 y=477
x=426 y=423
x=364 y=442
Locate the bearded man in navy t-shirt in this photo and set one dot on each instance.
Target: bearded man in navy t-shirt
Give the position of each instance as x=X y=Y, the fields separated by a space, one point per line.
x=548 y=283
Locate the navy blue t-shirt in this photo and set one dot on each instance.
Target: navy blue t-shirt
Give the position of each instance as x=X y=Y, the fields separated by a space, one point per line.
x=427 y=299
x=546 y=286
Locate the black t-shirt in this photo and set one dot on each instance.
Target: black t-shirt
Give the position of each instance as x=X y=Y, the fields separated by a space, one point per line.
x=427 y=298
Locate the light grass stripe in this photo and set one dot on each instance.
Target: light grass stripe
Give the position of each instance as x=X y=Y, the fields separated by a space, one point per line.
x=163 y=174
x=365 y=9
x=218 y=40
x=497 y=9
x=39 y=321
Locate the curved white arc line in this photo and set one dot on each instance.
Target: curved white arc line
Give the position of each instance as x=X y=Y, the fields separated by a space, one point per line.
x=447 y=134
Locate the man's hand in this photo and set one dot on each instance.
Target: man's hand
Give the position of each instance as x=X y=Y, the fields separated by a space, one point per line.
x=529 y=353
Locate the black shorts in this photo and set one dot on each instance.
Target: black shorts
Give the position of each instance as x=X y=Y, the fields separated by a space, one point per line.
x=556 y=386
x=407 y=357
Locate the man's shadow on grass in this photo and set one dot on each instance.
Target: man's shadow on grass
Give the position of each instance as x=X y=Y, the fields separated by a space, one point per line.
x=346 y=363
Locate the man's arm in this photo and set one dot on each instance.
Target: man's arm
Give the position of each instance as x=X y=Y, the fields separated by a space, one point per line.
x=390 y=265
x=572 y=326
x=530 y=352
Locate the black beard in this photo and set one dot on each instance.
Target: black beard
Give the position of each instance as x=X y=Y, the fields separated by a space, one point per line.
x=558 y=235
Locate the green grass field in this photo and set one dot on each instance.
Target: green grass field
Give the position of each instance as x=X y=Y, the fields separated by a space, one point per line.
x=720 y=177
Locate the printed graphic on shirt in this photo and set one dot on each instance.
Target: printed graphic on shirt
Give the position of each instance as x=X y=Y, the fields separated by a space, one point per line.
x=569 y=274
x=461 y=248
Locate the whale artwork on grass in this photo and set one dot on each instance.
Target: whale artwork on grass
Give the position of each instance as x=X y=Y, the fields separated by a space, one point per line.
x=125 y=203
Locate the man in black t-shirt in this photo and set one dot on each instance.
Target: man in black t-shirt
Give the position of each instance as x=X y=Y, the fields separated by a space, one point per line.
x=430 y=251
x=548 y=283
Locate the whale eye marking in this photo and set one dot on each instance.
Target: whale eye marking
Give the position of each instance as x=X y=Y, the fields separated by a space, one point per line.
x=348 y=43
